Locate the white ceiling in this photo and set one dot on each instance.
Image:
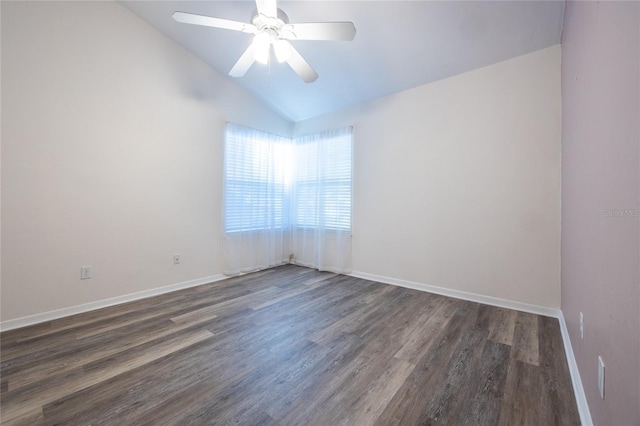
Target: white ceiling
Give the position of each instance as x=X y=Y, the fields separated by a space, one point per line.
x=398 y=45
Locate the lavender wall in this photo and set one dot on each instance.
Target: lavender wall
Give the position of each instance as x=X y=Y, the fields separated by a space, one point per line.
x=600 y=201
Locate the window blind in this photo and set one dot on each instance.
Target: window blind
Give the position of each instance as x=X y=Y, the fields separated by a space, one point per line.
x=323 y=181
x=273 y=182
x=257 y=178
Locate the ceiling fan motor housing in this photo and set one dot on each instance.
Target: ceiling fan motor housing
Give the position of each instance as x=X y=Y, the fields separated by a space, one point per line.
x=263 y=22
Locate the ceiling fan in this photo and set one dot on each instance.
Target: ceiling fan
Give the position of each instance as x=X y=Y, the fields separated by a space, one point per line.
x=271 y=29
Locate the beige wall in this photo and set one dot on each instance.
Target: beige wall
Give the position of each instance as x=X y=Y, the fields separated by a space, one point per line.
x=457 y=183
x=111 y=155
x=601 y=201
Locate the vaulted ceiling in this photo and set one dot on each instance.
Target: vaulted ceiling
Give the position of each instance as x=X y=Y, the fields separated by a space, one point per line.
x=398 y=45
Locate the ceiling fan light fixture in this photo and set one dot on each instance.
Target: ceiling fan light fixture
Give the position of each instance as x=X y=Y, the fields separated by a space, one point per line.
x=262 y=55
x=262 y=44
x=282 y=49
x=262 y=40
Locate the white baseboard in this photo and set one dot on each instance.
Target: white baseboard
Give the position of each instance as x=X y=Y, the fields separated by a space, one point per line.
x=578 y=390
x=459 y=294
x=85 y=307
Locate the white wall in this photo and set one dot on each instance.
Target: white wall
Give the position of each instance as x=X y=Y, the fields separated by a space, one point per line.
x=457 y=183
x=112 y=142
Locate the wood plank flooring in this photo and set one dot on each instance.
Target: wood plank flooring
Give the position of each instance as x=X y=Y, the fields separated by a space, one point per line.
x=289 y=346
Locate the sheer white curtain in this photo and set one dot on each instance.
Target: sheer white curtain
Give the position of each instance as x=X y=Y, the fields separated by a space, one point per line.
x=287 y=197
x=257 y=174
x=321 y=198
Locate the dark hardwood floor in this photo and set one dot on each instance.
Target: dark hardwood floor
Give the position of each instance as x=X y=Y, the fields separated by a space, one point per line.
x=289 y=346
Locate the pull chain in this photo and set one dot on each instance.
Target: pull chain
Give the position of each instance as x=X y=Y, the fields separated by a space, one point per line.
x=269 y=69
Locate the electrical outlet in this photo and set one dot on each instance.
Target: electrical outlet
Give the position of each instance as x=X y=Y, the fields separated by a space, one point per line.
x=581 y=326
x=176 y=259
x=85 y=272
x=601 y=376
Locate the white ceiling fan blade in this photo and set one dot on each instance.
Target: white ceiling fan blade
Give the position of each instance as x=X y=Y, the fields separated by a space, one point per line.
x=208 y=21
x=338 y=31
x=244 y=63
x=300 y=66
x=267 y=8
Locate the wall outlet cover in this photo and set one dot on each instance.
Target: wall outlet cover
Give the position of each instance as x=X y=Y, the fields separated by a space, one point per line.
x=85 y=272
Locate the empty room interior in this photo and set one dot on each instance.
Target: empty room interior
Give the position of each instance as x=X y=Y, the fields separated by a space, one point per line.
x=320 y=212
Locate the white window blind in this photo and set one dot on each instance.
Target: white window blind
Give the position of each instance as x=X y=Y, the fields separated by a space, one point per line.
x=257 y=178
x=323 y=181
